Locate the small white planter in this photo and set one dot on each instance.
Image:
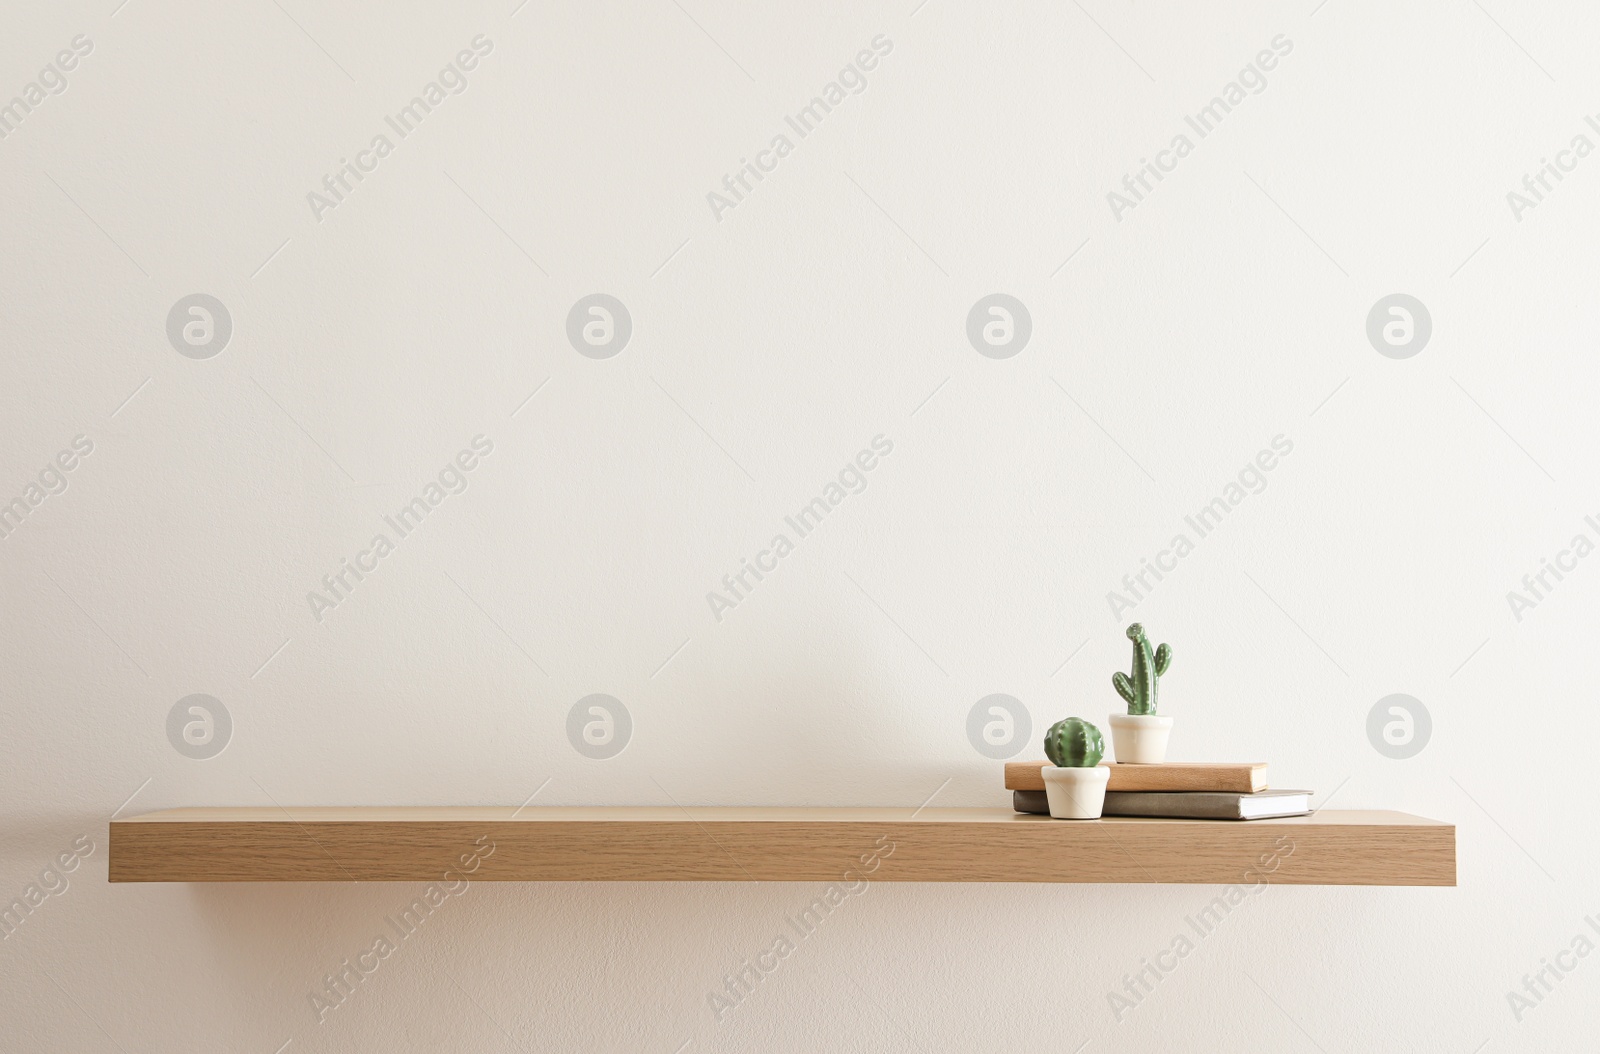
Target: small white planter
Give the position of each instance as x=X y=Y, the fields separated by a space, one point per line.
x=1076 y=794
x=1140 y=739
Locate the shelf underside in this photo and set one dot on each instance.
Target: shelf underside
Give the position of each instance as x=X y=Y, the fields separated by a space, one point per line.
x=384 y=844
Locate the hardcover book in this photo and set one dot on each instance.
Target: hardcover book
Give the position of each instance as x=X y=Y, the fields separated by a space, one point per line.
x=1233 y=777
x=1185 y=805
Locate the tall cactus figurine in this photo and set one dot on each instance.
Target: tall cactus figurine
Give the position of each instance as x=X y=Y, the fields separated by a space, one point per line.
x=1074 y=744
x=1140 y=690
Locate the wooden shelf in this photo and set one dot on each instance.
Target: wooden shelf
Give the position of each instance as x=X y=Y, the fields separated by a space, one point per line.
x=771 y=845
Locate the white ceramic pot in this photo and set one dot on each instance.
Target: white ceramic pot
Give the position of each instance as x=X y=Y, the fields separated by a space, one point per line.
x=1076 y=794
x=1140 y=739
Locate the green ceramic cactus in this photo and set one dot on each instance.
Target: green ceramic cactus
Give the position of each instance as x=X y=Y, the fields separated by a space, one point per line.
x=1074 y=744
x=1148 y=666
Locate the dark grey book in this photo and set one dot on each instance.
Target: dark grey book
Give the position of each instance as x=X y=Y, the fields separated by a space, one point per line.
x=1030 y=802
x=1185 y=805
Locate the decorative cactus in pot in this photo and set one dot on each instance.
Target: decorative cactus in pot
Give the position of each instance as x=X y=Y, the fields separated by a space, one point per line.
x=1074 y=744
x=1140 y=689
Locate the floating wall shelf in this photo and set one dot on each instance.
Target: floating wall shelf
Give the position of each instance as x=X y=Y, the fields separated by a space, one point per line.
x=772 y=845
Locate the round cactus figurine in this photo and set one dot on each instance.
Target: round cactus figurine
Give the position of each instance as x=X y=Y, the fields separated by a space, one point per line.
x=1140 y=690
x=1074 y=744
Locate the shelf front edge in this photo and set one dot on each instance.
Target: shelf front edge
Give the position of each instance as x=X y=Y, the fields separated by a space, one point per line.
x=715 y=845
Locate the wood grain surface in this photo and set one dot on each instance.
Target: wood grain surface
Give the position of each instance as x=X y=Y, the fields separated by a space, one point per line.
x=383 y=844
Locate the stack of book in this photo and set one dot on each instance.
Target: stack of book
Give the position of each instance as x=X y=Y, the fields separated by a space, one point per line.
x=1236 y=791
